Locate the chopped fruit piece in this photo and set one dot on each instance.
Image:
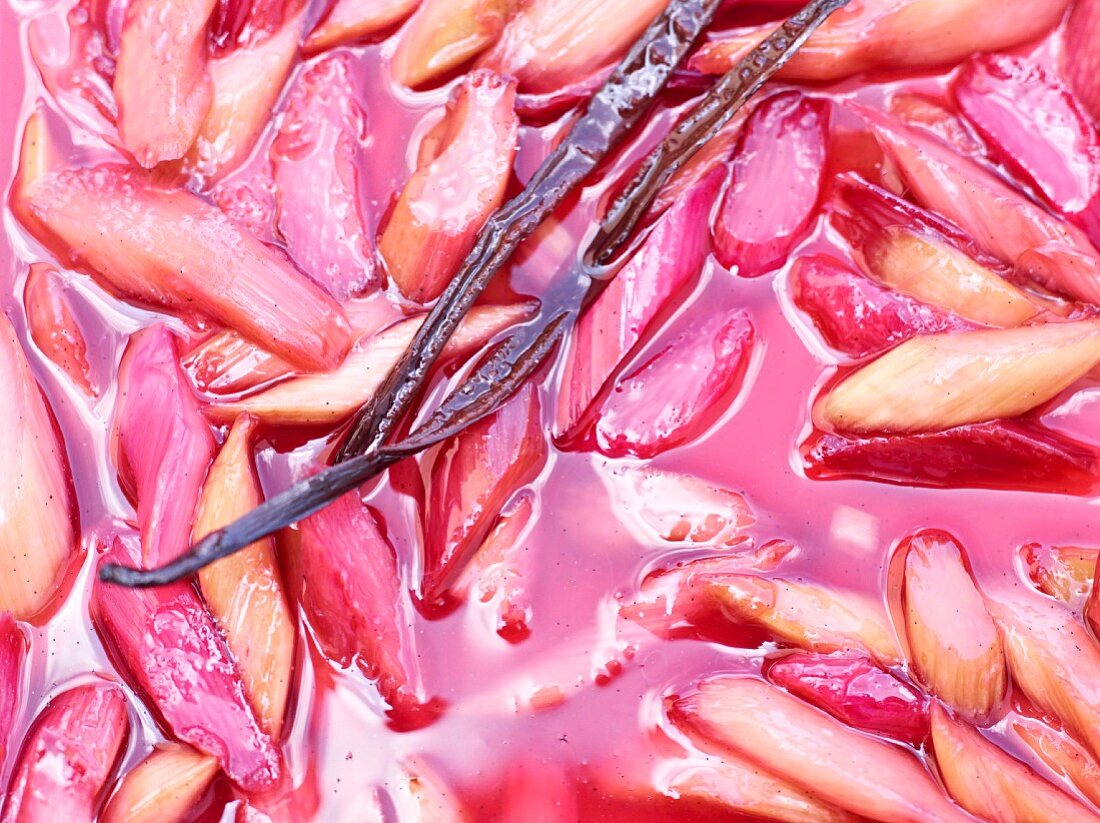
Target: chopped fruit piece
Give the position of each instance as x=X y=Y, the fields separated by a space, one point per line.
x=1092 y=606
x=782 y=150
x=164 y=444
x=419 y=793
x=1063 y=572
x=165 y=640
x=642 y=294
x=940 y=381
x=444 y=34
x=351 y=20
x=329 y=398
x=244 y=591
x=1002 y=220
x=36 y=507
x=53 y=327
x=539 y=791
x=857 y=316
x=13 y=655
x=992 y=785
x=900 y=34
x=240 y=23
x=953 y=643
x=472 y=477
x=316 y=157
x=853 y=689
x=918 y=110
x=249 y=199
x=436 y=219
x=140 y=239
x=1061 y=753
x=678 y=507
x=162 y=788
x=1001 y=455
x=1038 y=129
x=161 y=83
x=68 y=756
x=1080 y=63
x=811 y=750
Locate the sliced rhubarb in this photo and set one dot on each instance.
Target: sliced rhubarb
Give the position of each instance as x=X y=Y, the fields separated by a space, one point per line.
x=940 y=381
x=471 y=479
x=349 y=20
x=162 y=788
x=173 y=652
x=1092 y=605
x=248 y=199
x=245 y=591
x=992 y=785
x=552 y=44
x=781 y=150
x=317 y=154
x=36 y=507
x=642 y=294
x=954 y=646
x=811 y=750
x=931 y=114
x=1063 y=572
x=437 y=217
x=54 y=328
x=164 y=443
x=695 y=378
x=1080 y=63
x=857 y=316
x=171 y=248
x=855 y=690
x=444 y=34
x=1038 y=129
x=68 y=756
x=1063 y=755
x=161 y=83
x=13 y=655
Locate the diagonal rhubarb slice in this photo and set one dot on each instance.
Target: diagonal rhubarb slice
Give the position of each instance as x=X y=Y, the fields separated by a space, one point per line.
x=161 y=84
x=163 y=788
x=1080 y=64
x=642 y=294
x=437 y=217
x=173 y=652
x=954 y=645
x=1063 y=755
x=811 y=750
x=1063 y=572
x=316 y=157
x=940 y=381
x=349 y=20
x=932 y=115
x=54 y=328
x=68 y=755
x=13 y=656
x=164 y=444
x=245 y=590
x=781 y=150
x=37 y=513
x=992 y=785
x=471 y=479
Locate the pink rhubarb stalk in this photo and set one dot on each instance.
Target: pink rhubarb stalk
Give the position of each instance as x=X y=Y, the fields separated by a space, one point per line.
x=54 y=328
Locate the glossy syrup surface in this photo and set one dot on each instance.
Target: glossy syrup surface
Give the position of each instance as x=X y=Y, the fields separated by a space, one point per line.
x=609 y=734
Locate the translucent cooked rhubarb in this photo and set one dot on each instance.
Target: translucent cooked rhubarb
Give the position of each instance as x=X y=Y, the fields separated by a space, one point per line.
x=1063 y=572
x=162 y=788
x=1079 y=62
x=54 y=328
x=349 y=20
x=13 y=655
x=1063 y=755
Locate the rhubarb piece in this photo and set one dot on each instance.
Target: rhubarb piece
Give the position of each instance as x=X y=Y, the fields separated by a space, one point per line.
x=901 y=34
x=992 y=785
x=53 y=327
x=162 y=788
x=68 y=756
x=857 y=316
x=711 y=155
x=248 y=199
x=856 y=691
x=642 y=294
x=954 y=646
x=171 y=248
x=1063 y=572
x=929 y=114
x=696 y=378
x=164 y=444
x=941 y=381
x=775 y=184
x=173 y=652
x=1080 y=64
x=1008 y=98
x=811 y=750
x=37 y=513
x=679 y=508
x=328 y=398
x=161 y=83
x=1092 y=605
x=436 y=219
x=245 y=592
x=1061 y=754
x=316 y=157
x=238 y=24
x=13 y=655
x=471 y=479
x=351 y=20
x=444 y=34
x=551 y=44
x=1000 y=455
x=1002 y=221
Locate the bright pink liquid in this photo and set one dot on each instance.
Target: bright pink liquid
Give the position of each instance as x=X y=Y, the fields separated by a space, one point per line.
x=584 y=557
